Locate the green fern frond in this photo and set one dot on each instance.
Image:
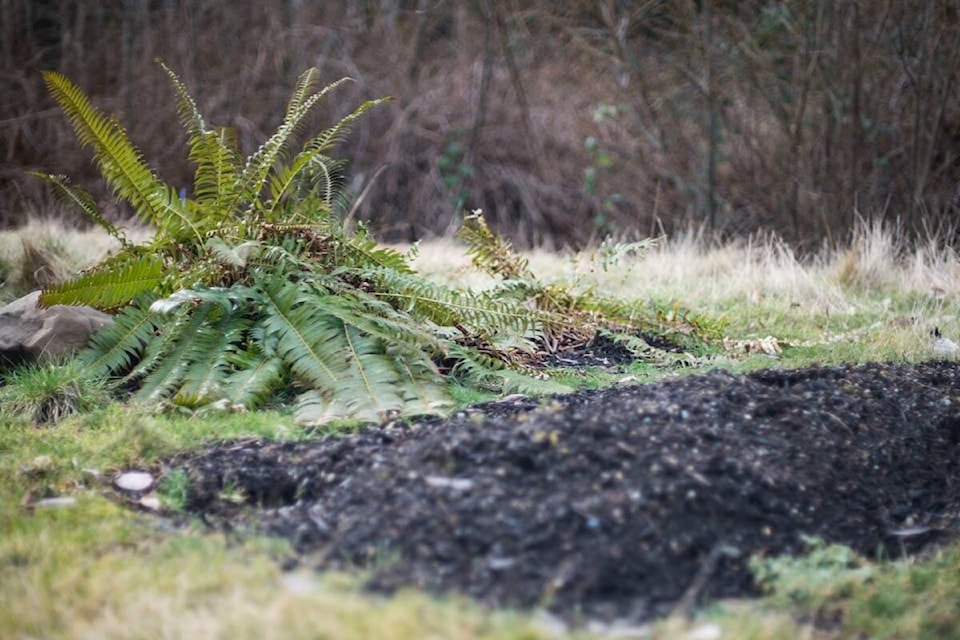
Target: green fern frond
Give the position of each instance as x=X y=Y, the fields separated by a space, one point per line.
x=303 y=338
x=255 y=376
x=483 y=371
x=323 y=178
x=490 y=252
x=174 y=301
x=119 y=161
x=423 y=391
x=512 y=381
x=268 y=260
x=315 y=408
x=308 y=175
x=363 y=253
x=109 y=288
x=329 y=138
x=374 y=389
x=210 y=359
x=163 y=369
x=428 y=301
x=84 y=201
x=190 y=116
x=311 y=170
x=259 y=165
x=375 y=371
x=331 y=344
x=637 y=346
x=216 y=153
x=452 y=307
x=231 y=256
x=216 y=180
x=207 y=271
x=386 y=258
x=116 y=349
x=305 y=84
x=229 y=300
x=378 y=318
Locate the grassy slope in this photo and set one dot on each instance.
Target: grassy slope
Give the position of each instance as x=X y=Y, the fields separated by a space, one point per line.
x=94 y=570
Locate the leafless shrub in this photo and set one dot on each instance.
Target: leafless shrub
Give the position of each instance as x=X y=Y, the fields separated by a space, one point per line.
x=564 y=121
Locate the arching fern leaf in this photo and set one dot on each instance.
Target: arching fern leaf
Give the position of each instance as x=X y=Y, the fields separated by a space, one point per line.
x=111 y=284
x=253 y=378
x=116 y=349
x=119 y=161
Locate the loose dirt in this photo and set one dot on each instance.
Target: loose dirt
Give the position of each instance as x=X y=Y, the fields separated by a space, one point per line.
x=623 y=502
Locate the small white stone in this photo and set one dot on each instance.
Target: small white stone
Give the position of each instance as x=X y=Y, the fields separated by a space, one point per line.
x=440 y=482
x=300 y=583
x=550 y=625
x=134 y=481
x=709 y=631
x=945 y=347
x=55 y=503
x=151 y=501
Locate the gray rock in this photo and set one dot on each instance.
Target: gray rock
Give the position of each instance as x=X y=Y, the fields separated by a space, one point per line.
x=29 y=333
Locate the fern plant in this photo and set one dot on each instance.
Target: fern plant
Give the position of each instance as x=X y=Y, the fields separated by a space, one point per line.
x=234 y=199
x=570 y=317
x=253 y=283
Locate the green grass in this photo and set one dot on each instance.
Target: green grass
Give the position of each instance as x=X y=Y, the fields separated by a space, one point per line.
x=907 y=599
x=95 y=569
x=49 y=392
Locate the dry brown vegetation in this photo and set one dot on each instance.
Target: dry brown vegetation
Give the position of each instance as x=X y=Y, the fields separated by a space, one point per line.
x=564 y=121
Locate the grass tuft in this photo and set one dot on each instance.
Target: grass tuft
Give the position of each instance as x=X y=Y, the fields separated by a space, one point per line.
x=47 y=393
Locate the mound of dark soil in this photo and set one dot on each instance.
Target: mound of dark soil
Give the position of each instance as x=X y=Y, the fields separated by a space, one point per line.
x=620 y=502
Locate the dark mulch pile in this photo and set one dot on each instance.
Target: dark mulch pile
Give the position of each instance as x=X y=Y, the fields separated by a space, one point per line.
x=618 y=502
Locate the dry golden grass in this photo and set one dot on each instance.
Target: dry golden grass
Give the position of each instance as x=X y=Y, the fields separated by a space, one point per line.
x=44 y=251
x=872 y=299
x=700 y=273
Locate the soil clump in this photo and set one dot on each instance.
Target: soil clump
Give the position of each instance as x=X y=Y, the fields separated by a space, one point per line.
x=617 y=503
